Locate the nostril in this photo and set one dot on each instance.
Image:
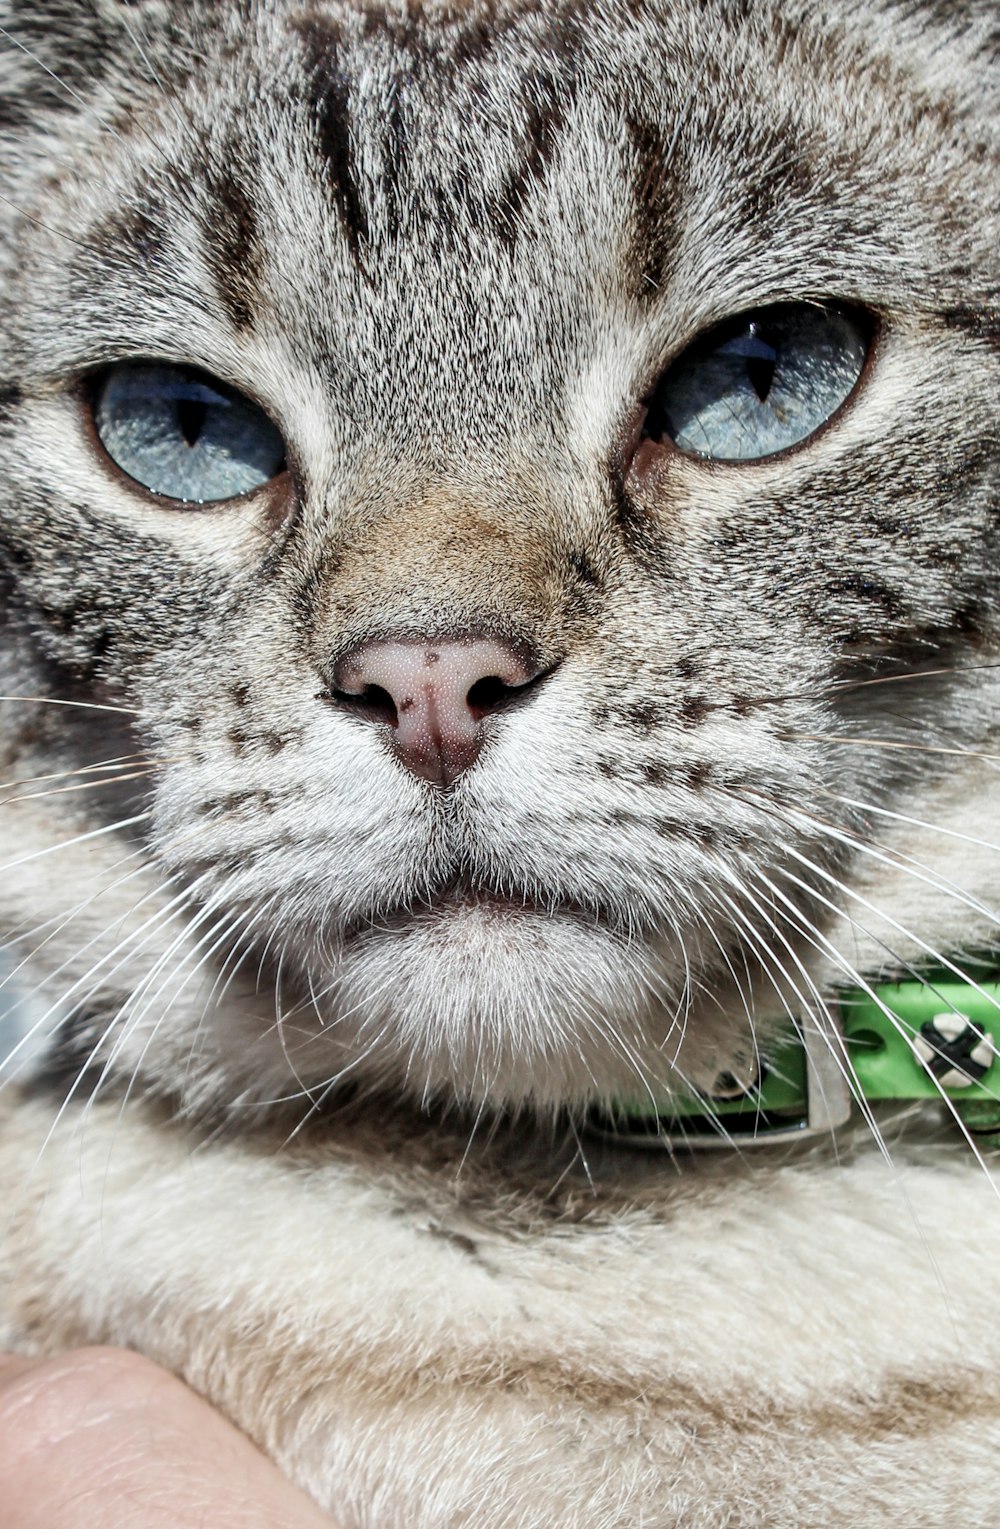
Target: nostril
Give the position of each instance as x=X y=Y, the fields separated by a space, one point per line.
x=491 y=694
x=373 y=704
x=487 y=695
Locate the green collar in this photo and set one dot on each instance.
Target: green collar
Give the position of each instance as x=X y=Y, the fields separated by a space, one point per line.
x=904 y=1041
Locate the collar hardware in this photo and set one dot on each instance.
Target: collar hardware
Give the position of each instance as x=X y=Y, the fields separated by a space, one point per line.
x=904 y=1041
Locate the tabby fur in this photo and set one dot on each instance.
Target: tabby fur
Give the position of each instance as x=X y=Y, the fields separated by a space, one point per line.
x=299 y=1111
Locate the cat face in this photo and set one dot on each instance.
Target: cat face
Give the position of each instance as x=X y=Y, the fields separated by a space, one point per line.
x=487 y=458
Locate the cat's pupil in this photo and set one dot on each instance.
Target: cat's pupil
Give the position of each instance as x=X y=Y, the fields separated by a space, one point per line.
x=761 y=357
x=760 y=370
x=191 y=414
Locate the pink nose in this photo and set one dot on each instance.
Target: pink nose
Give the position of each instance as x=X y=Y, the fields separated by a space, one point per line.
x=434 y=694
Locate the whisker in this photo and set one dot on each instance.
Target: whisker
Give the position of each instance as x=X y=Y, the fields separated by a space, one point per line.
x=84 y=838
x=930 y=880
x=119 y=762
x=842 y=887
x=817 y=1015
x=884 y=855
x=38 y=1027
x=48 y=700
x=89 y=785
x=839 y=1053
x=903 y=817
x=169 y=96
x=889 y=743
x=98 y=973
x=919 y=674
x=87 y=1065
x=134 y=1021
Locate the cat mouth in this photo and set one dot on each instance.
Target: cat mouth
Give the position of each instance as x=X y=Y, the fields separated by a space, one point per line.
x=462 y=897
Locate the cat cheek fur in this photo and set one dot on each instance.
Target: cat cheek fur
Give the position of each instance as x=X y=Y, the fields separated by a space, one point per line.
x=449 y=251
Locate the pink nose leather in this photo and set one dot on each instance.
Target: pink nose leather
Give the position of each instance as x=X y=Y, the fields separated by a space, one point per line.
x=438 y=720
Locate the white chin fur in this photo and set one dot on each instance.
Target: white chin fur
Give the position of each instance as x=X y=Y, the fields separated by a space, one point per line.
x=508 y=1007
x=475 y=1007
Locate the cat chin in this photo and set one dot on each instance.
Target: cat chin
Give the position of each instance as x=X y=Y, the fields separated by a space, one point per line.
x=486 y=1002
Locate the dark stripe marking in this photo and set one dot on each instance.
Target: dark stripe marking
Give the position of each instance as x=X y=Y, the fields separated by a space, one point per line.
x=981 y=323
x=233 y=245
x=11 y=398
x=546 y=105
x=870 y=590
x=329 y=99
x=656 y=211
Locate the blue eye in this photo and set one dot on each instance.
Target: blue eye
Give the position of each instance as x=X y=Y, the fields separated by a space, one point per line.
x=184 y=435
x=759 y=383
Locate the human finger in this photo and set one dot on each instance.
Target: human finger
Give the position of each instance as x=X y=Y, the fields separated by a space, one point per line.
x=104 y=1439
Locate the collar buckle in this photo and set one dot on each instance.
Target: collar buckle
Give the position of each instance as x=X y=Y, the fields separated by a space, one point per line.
x=777 y=1109
x=934 y=1038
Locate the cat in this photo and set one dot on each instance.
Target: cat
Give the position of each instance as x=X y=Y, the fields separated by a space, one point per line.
x=498 y=571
